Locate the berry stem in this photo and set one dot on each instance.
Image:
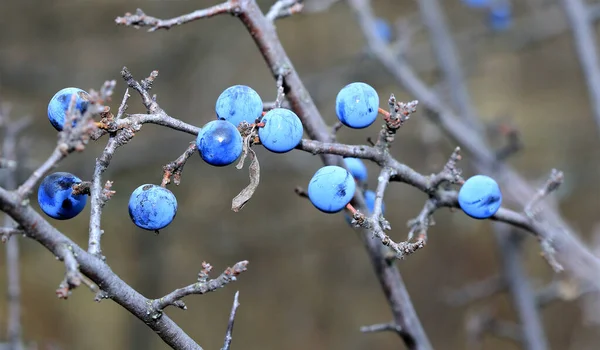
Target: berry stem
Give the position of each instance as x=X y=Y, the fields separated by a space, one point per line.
x=385 y=113
x=351 y=209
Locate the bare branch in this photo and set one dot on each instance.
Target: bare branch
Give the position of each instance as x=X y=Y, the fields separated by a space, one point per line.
x=555 y=233
x=587 y=51
x=203 y=286
x=284 y=8
x=7 y=232
x=175 y=168
x=448 y=60
x=73 y=277
x=12 y=130
x=521 y=292
x=112 y=286
x=554 y=181
x=381 y=327
x=229 y=332
x=140 y=19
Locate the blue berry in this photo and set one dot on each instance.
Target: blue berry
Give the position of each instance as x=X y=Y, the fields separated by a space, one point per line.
x=239 y=103
x=357 y=168
x=370 y=202
x=152 y=207
x=331 y=189
x=59 y=104
x=383 y=29
x=480 y=197
x=219 y=143
x=357 y=105
x=282 y=131
x=500 y=16
x=476 y=3
x=56 y=199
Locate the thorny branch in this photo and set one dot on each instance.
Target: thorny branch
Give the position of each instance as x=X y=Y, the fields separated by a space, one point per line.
x=80 y=264
x=175 y=168
x=101 y=194
x=247 y=10
x=203 y=286
x=554 y=234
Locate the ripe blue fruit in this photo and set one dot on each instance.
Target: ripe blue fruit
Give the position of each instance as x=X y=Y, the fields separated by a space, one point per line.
x=476 y=3
x=500 y=16
x=356 y=105
x=357 y=168
x=59 y=104
x=56 y=199
x=331 y=189
x=239 y=103
x=282 y=131
x=152 y=207
x=383 y=29
x=370 y=202
x=219 y=143
x=480 y=197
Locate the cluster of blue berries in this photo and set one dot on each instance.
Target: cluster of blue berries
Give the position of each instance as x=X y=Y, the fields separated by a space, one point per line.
x=332 y=187
x=220 y=143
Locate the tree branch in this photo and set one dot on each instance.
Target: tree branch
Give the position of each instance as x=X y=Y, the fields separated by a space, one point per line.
x=587 y=51
x=229 y=332
x=551 y=228
x=11 y=131
x=203 y=286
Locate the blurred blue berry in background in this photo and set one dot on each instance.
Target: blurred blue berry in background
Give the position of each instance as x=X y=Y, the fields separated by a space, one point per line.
x=477 y=3
x=500 y=16
x=383 y=29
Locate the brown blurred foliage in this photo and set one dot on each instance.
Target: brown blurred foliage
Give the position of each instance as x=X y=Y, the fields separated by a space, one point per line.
x=309 y=284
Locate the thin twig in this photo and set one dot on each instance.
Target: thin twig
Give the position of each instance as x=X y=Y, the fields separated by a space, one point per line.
x=175 y=168
x=101 y=194
x=521 y=292
x=140 y=19
x=284 y=8
x=203 y=286
x=229 y=332
x=381 y=327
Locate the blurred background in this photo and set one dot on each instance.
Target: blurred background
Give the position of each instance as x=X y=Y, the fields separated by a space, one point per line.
x=309 y=284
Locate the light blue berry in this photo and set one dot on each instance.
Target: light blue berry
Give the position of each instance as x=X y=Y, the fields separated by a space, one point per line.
x=383 y=29
x=500 y=16
x=56 y=199
x=357 y=168
x=239 y=103
x=152 y=207
x=356 y=105
x=480 y=197
x=331 y=189
x=59 y=105
x=477 y=3
x=370 y=202
x=219 y=143
x=282 y=131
